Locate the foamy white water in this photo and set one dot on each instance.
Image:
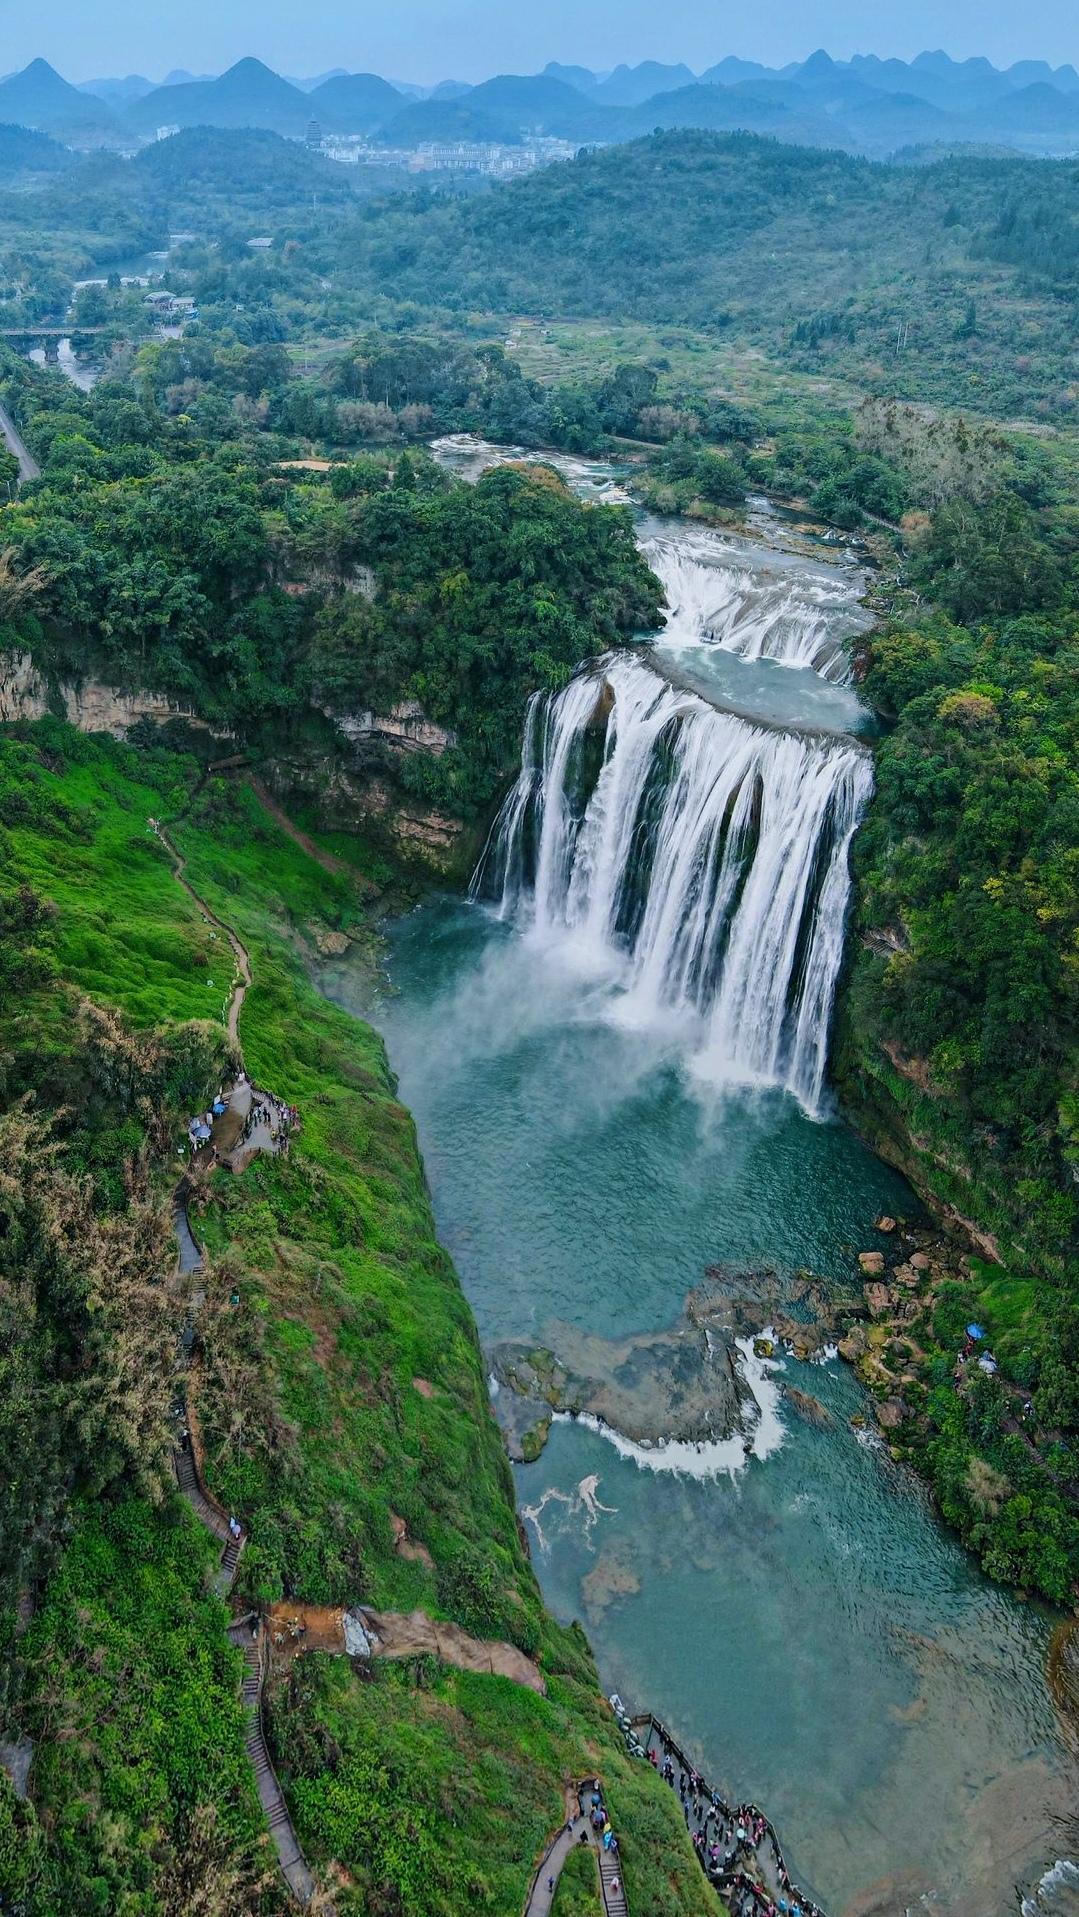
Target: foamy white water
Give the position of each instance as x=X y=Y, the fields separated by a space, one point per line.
x=726 y=592
x=1057 y=1894
x=712 y=1457
x=697 y=861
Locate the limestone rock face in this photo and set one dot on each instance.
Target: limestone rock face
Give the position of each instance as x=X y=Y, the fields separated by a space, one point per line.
x=871 y=1263
x=404 y=728
x=89 y=707
x=891 y=1413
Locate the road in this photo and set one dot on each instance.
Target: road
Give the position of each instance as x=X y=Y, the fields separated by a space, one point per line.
x=28 y=467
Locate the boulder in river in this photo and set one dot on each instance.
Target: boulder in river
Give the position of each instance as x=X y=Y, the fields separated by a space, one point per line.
x=871 y=1263
x=809 y=1408
x=684 y=1384
x=885 y=1223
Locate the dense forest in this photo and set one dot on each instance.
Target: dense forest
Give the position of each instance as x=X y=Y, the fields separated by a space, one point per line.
x=164 y=553
x=953 y=281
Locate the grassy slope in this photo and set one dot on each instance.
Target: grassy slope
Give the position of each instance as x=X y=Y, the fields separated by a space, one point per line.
x=346 y=1297
x=130 y=1689
x=578 y=1893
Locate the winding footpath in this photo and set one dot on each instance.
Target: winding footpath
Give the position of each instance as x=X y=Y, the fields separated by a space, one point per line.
x=242 y=984
x=245 y=1633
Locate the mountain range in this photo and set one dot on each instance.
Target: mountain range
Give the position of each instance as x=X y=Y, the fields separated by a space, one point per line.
x=864 y=105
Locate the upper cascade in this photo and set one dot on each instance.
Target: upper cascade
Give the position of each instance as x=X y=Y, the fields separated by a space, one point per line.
x=698 y=860
x=725 y=593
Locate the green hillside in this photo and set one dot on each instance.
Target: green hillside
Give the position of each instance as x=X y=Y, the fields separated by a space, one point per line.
x=413 y=1779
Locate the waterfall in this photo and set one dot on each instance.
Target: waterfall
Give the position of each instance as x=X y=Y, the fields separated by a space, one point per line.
x=699 y=861
x=720 y=595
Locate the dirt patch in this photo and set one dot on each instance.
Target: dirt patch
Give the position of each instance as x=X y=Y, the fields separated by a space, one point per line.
x=415 y=1553
x=424 y=1386
x=294 y=1628
x=306 y=1627
x=395 y=1634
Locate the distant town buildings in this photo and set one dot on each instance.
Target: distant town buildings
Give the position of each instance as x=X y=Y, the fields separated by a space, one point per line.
x=171 y=306
x=450 y=156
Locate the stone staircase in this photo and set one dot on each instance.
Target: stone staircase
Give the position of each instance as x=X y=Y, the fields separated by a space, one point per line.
x=610 y=1873
x=210 y=1515
x=271 y=1797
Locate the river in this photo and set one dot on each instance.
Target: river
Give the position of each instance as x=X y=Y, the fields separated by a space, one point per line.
x=615 y=1056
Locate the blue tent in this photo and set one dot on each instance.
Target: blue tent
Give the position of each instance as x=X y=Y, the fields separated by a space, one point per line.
x=975 y=1331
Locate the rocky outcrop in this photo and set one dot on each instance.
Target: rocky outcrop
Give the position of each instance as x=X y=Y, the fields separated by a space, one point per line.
x=810 y=1409
x=351 y=784
x=89 y=706
x=682 y=1384
x=405 y=728
x=879 y=1300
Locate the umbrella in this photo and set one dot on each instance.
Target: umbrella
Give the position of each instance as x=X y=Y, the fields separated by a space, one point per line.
x=975 y=1331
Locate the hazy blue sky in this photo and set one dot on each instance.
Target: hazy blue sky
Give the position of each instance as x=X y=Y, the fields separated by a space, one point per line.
x=428 y=40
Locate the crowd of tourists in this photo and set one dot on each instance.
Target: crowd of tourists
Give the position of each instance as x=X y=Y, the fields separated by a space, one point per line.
x=279 y=1119
x=602 y=1827
x=738 y=1849
x=264 y=1112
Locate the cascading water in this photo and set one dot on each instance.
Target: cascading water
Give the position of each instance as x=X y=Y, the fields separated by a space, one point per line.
x=721 y=593
x=697 y=859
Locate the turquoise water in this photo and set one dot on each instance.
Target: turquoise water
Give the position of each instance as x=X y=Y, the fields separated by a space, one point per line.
x=807 y=1628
